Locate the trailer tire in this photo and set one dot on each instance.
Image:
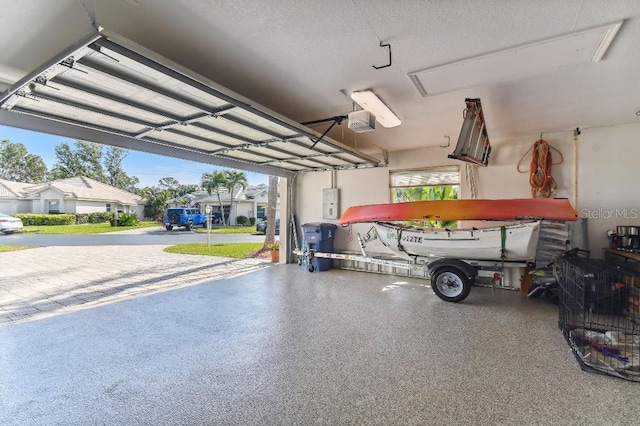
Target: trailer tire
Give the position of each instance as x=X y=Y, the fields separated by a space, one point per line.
x=450 y=284
x=311 y=268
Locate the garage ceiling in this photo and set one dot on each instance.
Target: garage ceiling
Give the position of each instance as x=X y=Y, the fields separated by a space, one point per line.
x=299 y=59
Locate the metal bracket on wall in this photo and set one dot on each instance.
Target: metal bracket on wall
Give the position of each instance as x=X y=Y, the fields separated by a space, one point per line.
x=338 y=119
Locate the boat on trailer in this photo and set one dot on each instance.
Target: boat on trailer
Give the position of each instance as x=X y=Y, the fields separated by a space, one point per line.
x=453 y=257
x=513 y=242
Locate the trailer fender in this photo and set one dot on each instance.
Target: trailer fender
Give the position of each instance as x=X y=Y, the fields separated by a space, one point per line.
x=470 y=271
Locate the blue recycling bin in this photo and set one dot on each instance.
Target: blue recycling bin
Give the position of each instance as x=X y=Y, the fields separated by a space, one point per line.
x=320 y=237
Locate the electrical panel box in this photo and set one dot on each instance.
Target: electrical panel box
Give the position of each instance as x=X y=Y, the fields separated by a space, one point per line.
x=330 y=203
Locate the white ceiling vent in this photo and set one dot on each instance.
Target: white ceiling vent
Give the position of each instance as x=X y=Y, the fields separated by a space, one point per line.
x=522 y=61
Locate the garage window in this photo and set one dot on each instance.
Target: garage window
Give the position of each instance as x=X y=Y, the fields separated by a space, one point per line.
x=433 y=183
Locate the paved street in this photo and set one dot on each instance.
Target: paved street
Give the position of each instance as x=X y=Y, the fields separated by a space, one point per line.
x=144 y=236
x=53 y=280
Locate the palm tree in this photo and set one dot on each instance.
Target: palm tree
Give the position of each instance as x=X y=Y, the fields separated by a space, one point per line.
x=156 y=201
x=235 y=178
x=214 y=182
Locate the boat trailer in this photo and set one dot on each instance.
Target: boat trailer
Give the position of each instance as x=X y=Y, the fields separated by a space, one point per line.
x=451 y=278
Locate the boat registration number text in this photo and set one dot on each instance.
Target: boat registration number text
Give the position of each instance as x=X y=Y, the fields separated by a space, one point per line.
x=411 y=239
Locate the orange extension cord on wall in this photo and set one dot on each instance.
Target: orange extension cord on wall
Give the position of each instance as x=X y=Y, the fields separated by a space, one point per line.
x=542 y=183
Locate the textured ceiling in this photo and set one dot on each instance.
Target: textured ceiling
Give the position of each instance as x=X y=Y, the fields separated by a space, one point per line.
x=296 y=56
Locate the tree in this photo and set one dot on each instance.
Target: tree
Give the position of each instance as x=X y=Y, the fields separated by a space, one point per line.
x=214 y=182
x=156 y=201
x=133 y=185
x=169 y=184
x=86 y=159
x=115 y=174
x=272 y=200
x=18 y=165
x=83 y=160
x=188 y=188
x=234 y=179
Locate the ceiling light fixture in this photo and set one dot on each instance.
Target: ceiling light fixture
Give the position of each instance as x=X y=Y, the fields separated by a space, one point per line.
x=612 y=30
x=370 y=102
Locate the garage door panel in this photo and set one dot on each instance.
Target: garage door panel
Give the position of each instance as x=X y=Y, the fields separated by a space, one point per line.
x=107 y=84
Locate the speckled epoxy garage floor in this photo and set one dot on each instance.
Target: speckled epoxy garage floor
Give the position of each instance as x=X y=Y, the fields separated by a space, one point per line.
x=283 y=346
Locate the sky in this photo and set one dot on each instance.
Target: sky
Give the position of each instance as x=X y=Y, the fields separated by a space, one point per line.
x=149 y=168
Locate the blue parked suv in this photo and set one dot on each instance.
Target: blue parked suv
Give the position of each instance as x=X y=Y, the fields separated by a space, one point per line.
x=183 y=216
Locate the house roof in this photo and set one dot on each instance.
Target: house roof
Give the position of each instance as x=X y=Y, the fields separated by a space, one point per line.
x=252 y=191
x=79 y=187
x=12 y=189
x=240 y=196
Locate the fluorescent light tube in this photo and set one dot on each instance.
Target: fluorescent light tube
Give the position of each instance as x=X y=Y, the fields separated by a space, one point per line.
x=606 y=41
x=370 y=102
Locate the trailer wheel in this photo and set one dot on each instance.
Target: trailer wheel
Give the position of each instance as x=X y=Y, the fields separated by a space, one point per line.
x=311 y=268
x=450 y=284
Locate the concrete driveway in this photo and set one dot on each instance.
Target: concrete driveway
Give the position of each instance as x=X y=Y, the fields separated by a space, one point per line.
x=47 y=281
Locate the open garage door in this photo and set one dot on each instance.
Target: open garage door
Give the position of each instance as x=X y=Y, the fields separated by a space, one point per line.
x=108 y=90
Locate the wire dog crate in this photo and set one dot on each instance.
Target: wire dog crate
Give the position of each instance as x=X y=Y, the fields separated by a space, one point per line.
x=600 y=313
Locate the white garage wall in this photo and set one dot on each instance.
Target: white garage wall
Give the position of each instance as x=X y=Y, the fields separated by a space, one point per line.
x=362 y=186
x=608 y=168
x=501 y=179
x=609 y=180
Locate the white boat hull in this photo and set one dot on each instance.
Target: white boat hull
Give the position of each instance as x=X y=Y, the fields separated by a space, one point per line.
x=477 y=244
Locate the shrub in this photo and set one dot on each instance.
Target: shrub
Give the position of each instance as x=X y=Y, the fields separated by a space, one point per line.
x=43 y=219
x=125 y=219
x=252 y=221
x=242 y=220
x=100 y=217
x=82 y=218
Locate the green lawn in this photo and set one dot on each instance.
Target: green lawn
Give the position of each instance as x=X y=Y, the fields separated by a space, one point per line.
x=91 y=228
x=6 y=247
x=230 y=230
x=236 y=250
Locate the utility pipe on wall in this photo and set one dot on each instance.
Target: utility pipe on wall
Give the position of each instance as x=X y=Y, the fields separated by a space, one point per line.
x=575 y=168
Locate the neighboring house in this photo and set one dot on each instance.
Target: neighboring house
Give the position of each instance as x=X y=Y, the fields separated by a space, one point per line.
x=251 y=202
x=73 y=195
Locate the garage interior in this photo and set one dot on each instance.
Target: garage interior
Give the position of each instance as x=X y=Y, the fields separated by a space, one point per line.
x=334 y=346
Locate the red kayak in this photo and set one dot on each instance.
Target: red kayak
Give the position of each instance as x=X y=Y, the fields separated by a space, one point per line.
x=513 y=209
